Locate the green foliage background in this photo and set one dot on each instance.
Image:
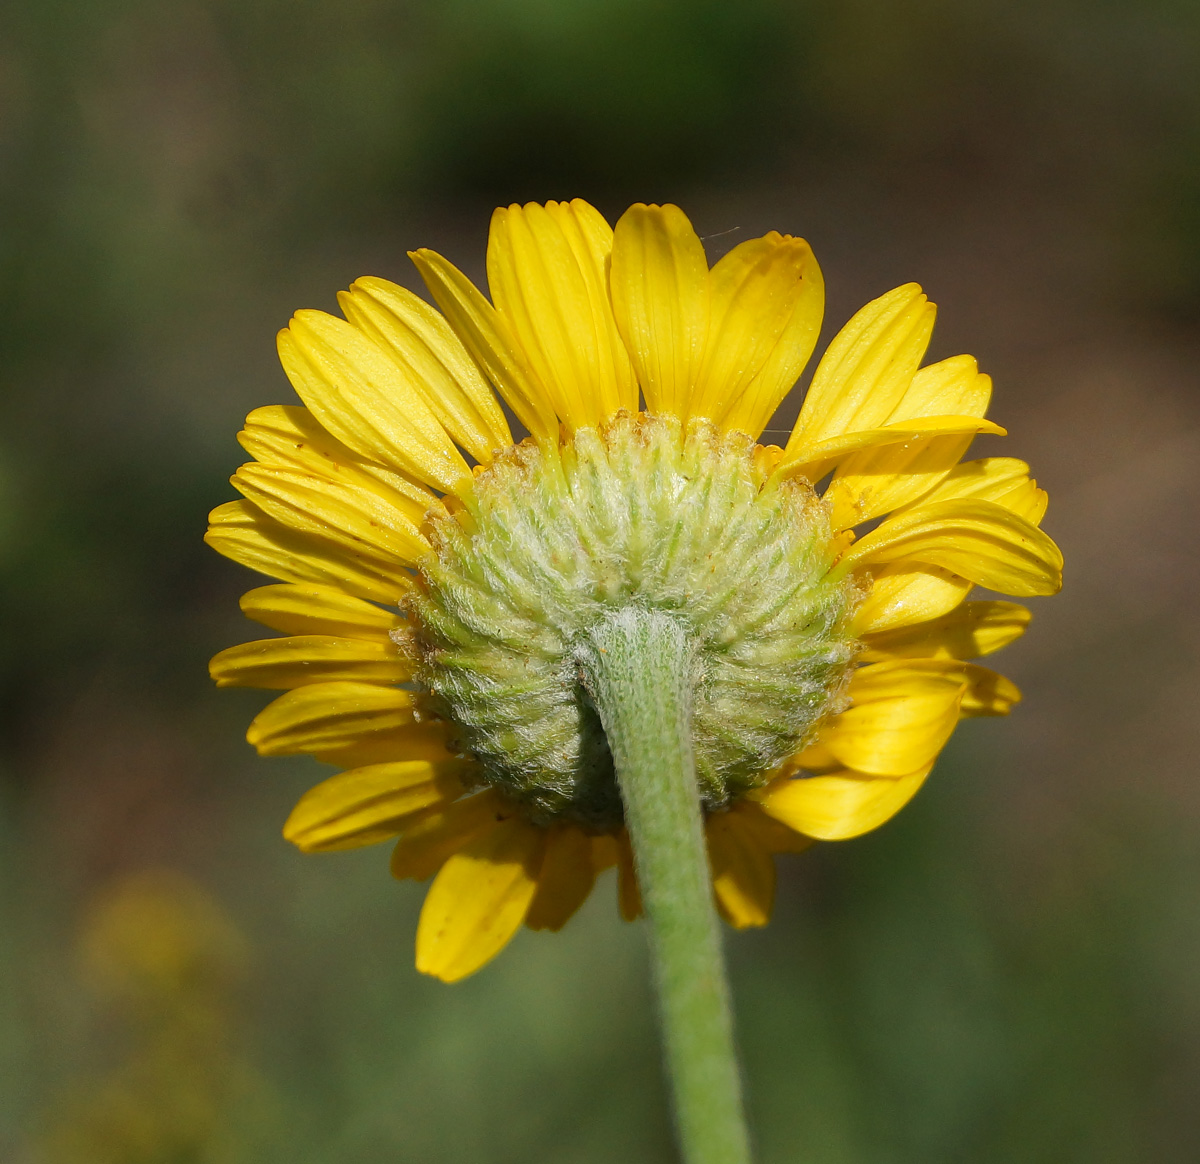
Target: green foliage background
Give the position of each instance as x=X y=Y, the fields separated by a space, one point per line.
x=1005 y=973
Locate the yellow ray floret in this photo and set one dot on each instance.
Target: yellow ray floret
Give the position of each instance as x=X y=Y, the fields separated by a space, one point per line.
x=547 y=271
x=987 y=692
x=365 y=399
x=320 y=716
x=812 y=462
x=281 y=437
x=362 y=522
x=743 y=871
x=247 y=535
x=866 y=370
x=981 y=540
x=434 y=361
x=876 y=480
x=968 y=631
x=428 y=839
x=372 y=804
x=660 y=299
x=415 y=740
x=766 y=298
x=317 y=610
x=479 y=899
x=907 y=594
x=282 y=664
x=487 y=335
x=565 y=880
x=1002 y=480
x=901 y=715
x=840 y=805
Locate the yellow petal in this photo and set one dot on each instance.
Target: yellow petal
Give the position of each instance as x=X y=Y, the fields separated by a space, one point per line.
x=743 y=872
x=841 y=805
x=489 y=339
x=565 y=880
x=606 y=852
x=970 y=630
x=903 y=594
x=980 y=540
x=659 y=283
x=371 y=804
x=241 y=531
x=952 y=387
x=813 y=461
x=1027 y=501
x=901 y=715
x=434 y=360
x=317 y=610
x=359 y=521
x=479 y=900
x=866 y=370
x=988 y=693
x=413 y=741
x=766 y=298
x=328 y=715
x=428 y=839
x=290 y=438
x=1003 y=480
x=553 y=296
x=591 y=238
x=769 y=834
x=284 y=663
x=363 y=398
x=874 y=481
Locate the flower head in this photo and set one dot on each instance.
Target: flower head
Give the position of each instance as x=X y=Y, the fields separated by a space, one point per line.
x=439 y=579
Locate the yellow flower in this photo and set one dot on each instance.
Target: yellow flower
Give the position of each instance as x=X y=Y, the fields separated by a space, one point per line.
x=436 y=576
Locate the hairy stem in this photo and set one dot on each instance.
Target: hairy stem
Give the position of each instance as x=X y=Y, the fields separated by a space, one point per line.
x=637 y=666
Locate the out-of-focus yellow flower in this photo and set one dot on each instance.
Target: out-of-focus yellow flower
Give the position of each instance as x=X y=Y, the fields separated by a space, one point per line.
x=163 y=963
x=437 y=578
x=157 y=935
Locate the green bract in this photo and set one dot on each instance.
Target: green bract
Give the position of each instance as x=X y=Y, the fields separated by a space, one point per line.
x=638 y=514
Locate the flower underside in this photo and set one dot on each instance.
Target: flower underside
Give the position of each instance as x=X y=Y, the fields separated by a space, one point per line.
x=440 y=622
x=632 y=515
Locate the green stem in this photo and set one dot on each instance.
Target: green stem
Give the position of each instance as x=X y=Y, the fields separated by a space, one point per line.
x=637 y=666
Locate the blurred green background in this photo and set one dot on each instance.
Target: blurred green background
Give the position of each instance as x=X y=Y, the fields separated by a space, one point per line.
x=1006 y=973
